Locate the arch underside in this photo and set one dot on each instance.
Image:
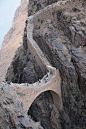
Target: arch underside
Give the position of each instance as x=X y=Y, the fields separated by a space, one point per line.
x=56 y=99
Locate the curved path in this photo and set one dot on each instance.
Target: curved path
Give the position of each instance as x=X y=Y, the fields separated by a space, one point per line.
x=28 y=93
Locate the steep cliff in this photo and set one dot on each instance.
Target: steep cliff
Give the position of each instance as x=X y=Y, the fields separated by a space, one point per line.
x=62 y=38
x=13 y=38
x=12 y=113
x=63 y=41
x=23 y=68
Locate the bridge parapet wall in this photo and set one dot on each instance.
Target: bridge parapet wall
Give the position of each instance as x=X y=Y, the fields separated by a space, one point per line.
x=33 y=47
x=45 y=15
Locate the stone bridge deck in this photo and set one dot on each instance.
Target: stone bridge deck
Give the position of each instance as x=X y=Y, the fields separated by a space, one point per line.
x=28 y=93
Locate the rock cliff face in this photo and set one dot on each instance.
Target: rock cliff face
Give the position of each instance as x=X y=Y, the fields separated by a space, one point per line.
x=23 y=68
x=13 y=38
x=63 y=36
x=63 y=41
x=12 y=114
x=36 y=5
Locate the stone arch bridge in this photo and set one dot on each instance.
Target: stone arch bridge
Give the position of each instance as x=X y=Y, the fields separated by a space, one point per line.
x=28 y=93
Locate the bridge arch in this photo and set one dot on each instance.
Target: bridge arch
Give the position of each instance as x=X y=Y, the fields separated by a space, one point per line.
x=55 y=96
x=31 y=92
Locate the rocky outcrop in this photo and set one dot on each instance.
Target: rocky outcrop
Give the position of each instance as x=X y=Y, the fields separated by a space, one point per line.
x=36 y=5
x=12 y=114
x=73 y=28
x=73 y=114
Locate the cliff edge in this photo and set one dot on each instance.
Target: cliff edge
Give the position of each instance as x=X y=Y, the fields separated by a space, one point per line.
x=13 y=38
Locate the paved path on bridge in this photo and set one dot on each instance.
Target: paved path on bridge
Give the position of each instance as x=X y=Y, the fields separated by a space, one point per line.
x=29 y=93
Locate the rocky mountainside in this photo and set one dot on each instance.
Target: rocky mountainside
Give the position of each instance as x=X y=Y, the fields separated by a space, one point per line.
x=62 y=38
x=13 y=38
x=12 y=113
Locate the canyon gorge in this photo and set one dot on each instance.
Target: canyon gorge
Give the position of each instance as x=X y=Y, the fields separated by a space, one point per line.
x=47 y=38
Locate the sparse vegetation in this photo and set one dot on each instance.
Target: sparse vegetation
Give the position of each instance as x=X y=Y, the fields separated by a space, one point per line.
x=72 y=100
x=32 y=4
x=23 y=37
x=76 y=97
x=67 y=54
x=51 y=28
x=61 y=10
x=38 y=20
x=53 y=13
x=69 y=24
x=41 y=21
x=47 y=23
